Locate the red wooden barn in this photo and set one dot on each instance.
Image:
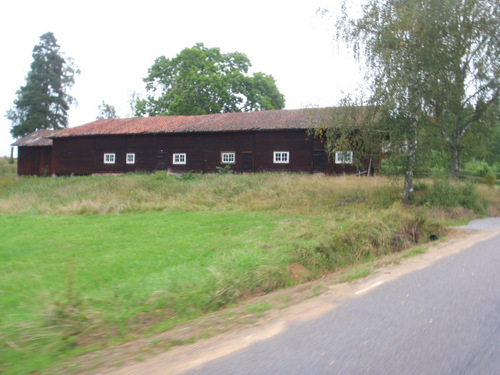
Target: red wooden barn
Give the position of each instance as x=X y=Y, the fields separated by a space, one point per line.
x=34 y=153
x=274 y=140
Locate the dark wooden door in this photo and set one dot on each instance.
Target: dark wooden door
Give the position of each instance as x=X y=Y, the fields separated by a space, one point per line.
x=161 y=162
x=247 y=161
x=319 y=162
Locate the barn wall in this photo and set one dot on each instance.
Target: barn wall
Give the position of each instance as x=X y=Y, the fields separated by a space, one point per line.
x=34 y=161
x=85 y=155
x=73 y=155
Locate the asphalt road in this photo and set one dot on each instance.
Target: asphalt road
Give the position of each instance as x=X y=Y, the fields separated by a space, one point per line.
x=442 y=319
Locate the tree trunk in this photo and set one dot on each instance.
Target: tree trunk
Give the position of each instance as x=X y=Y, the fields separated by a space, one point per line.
x=455 y=163
x=412 y=161
x=408 y=186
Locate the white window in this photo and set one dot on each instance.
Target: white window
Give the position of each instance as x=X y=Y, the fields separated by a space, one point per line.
x=130 y=158
x=179 y=159
x=281 y=157
x=109 y=158
x=228 y=158
x=343 y=157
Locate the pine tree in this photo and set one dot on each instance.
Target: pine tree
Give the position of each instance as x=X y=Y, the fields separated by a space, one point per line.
x=43 y=103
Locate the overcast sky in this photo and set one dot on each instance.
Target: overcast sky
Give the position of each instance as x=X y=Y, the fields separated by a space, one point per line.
x=115 y=42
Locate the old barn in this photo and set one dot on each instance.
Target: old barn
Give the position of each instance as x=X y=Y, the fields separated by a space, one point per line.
x=34 y=153
x=274 y=140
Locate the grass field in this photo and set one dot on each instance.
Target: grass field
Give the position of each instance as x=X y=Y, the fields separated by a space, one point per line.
x=88 y=262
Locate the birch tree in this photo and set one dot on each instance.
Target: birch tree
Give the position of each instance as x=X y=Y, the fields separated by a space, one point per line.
x=431 y=64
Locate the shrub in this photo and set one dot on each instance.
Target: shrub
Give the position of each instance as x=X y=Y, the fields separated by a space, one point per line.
x=490 y=179
x=224 y=170
x=420 y=186
x=479 y=168
x=445 y=193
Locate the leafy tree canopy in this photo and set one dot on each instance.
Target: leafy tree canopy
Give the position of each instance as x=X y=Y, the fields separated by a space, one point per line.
x=202 y=80
x=43 y=103
x=106 y=111
x=433 y=67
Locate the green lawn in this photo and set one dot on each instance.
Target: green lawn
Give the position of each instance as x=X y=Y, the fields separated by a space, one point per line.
x=88 y=262
x=69 y=281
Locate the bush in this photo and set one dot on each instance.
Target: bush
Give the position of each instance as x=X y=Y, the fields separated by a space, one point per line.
x=490 y=180
x=224 y=170
x=478 y=168
x=420 y=186
x=445 y=193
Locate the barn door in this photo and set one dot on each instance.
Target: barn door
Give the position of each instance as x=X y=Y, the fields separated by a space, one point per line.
x=319 y=162
x=247 y=161
x=161 y=162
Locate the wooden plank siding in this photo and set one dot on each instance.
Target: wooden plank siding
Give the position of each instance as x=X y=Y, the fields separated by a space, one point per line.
x=34 y=161
x=85 y=155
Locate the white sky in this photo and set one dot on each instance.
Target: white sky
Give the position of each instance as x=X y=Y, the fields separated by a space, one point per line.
x=115 y=42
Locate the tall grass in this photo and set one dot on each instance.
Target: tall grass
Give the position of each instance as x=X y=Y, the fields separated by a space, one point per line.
x=87 y=261
x=288 y=193
x=8 y=170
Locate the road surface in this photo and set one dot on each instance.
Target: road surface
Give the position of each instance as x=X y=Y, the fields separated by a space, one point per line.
x=438 y=313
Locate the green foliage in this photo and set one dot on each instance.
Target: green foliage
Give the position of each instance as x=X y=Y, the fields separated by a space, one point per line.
x=351 y=128
x=106 y=111
x=432 y=67
x=446 y=193
x=490 y=180
x=226 y=169
x=493 y=146
x=202 y=80
x=43 y=103
x=420 y=186
x=477 y=168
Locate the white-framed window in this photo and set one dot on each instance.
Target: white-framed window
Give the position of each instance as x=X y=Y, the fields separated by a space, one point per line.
x=130 y=158
x=228 y=157
x=343 y=157
x=281 y=157
x=179 y=159
x=109 y=158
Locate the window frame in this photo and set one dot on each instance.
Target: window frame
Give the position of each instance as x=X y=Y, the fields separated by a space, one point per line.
x=228 y=153
x=281 y=153
x=341 y=156
x=109 y=158
x=127 y=158
x=182 y=158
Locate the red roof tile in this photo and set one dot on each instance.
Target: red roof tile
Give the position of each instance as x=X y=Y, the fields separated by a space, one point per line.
x=223 y=122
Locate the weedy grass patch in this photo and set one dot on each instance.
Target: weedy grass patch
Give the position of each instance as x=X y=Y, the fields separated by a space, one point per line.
x=357 y=273
x=71 y=283
x=133 y=193
x=88 y=262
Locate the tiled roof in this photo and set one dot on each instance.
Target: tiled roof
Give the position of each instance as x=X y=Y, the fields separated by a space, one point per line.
x=222 y=122
x=38 y=138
